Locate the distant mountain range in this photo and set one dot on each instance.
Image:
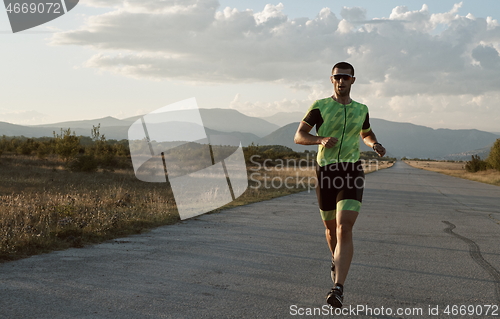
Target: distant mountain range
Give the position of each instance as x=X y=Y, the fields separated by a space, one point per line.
x=219 y=121
x=400 y=139
x=88 y=124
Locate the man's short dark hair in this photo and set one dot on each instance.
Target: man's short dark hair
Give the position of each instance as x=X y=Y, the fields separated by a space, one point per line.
x=344 y=65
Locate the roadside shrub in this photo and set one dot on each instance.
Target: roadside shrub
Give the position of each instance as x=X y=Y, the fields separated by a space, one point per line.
x=83 y=163
x=494 y=157
x=476 y=164
x=108 y=161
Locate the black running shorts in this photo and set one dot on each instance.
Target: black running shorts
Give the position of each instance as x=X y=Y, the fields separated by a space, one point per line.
x=340 y=187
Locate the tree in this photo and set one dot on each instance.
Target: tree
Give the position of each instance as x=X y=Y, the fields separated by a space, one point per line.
x=67 y=144
x=101 y=150
x=494 y=157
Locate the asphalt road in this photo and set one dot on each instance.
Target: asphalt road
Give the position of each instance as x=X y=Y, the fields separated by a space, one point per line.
x=423 y=240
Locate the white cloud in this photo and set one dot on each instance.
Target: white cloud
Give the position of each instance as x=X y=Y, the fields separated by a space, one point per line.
x=190 y=40
x=492 y=23
x=227 y=45
x=446 y=17
x=345 y=27
x=271 y=15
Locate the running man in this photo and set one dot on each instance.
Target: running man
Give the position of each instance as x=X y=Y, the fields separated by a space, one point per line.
x=339 y=121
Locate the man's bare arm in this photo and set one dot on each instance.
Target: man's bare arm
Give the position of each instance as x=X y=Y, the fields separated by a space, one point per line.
x=370 y=140
x=302 y=136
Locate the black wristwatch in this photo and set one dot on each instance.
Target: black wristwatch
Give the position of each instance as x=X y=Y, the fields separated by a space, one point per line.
x=376 y=144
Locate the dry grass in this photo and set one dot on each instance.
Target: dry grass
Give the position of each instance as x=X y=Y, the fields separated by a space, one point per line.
x=44 y=207
x=457 y=169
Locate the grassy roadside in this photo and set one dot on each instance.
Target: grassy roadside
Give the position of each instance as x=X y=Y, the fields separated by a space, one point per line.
x=457 y=169
x=44 y=207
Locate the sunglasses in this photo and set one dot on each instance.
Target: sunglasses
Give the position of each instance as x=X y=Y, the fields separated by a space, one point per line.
x=343 y=76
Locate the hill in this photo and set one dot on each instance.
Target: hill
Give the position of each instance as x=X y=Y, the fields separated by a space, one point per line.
x=87 y=124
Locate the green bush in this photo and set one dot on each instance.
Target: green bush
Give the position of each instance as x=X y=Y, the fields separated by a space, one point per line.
x=67 y=145
x=494 y=157
x=108 y=161
x=24 y=149
x=83 y=163
x=27 y=147
x=476 y=164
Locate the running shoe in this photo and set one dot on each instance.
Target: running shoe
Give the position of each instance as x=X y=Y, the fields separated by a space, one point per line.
x=335 y=297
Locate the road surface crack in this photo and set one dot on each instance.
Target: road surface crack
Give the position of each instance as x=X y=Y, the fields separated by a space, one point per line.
x=475 y=253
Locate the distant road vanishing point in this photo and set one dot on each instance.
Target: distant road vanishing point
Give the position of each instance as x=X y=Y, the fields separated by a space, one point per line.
x=423 y=241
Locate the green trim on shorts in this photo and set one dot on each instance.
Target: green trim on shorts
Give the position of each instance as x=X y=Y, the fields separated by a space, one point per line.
x=349 y=204
x=328 y=214
x=345 y=204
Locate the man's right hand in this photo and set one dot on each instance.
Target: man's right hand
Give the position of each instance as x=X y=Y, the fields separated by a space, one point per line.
x=329 y=142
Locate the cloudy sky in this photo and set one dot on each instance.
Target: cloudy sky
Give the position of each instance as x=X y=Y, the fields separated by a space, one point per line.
x=427 y=63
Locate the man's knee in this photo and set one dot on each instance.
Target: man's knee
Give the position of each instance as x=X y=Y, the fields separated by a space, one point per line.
x=345 y=223
x=330 y=225
x=344 y=230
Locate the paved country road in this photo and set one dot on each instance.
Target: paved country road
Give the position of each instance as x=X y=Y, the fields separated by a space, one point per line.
x=422 y=240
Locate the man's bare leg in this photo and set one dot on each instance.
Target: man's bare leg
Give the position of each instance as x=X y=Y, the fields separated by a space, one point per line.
x=344 y=249
x=331 y=239
x=331 y=234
